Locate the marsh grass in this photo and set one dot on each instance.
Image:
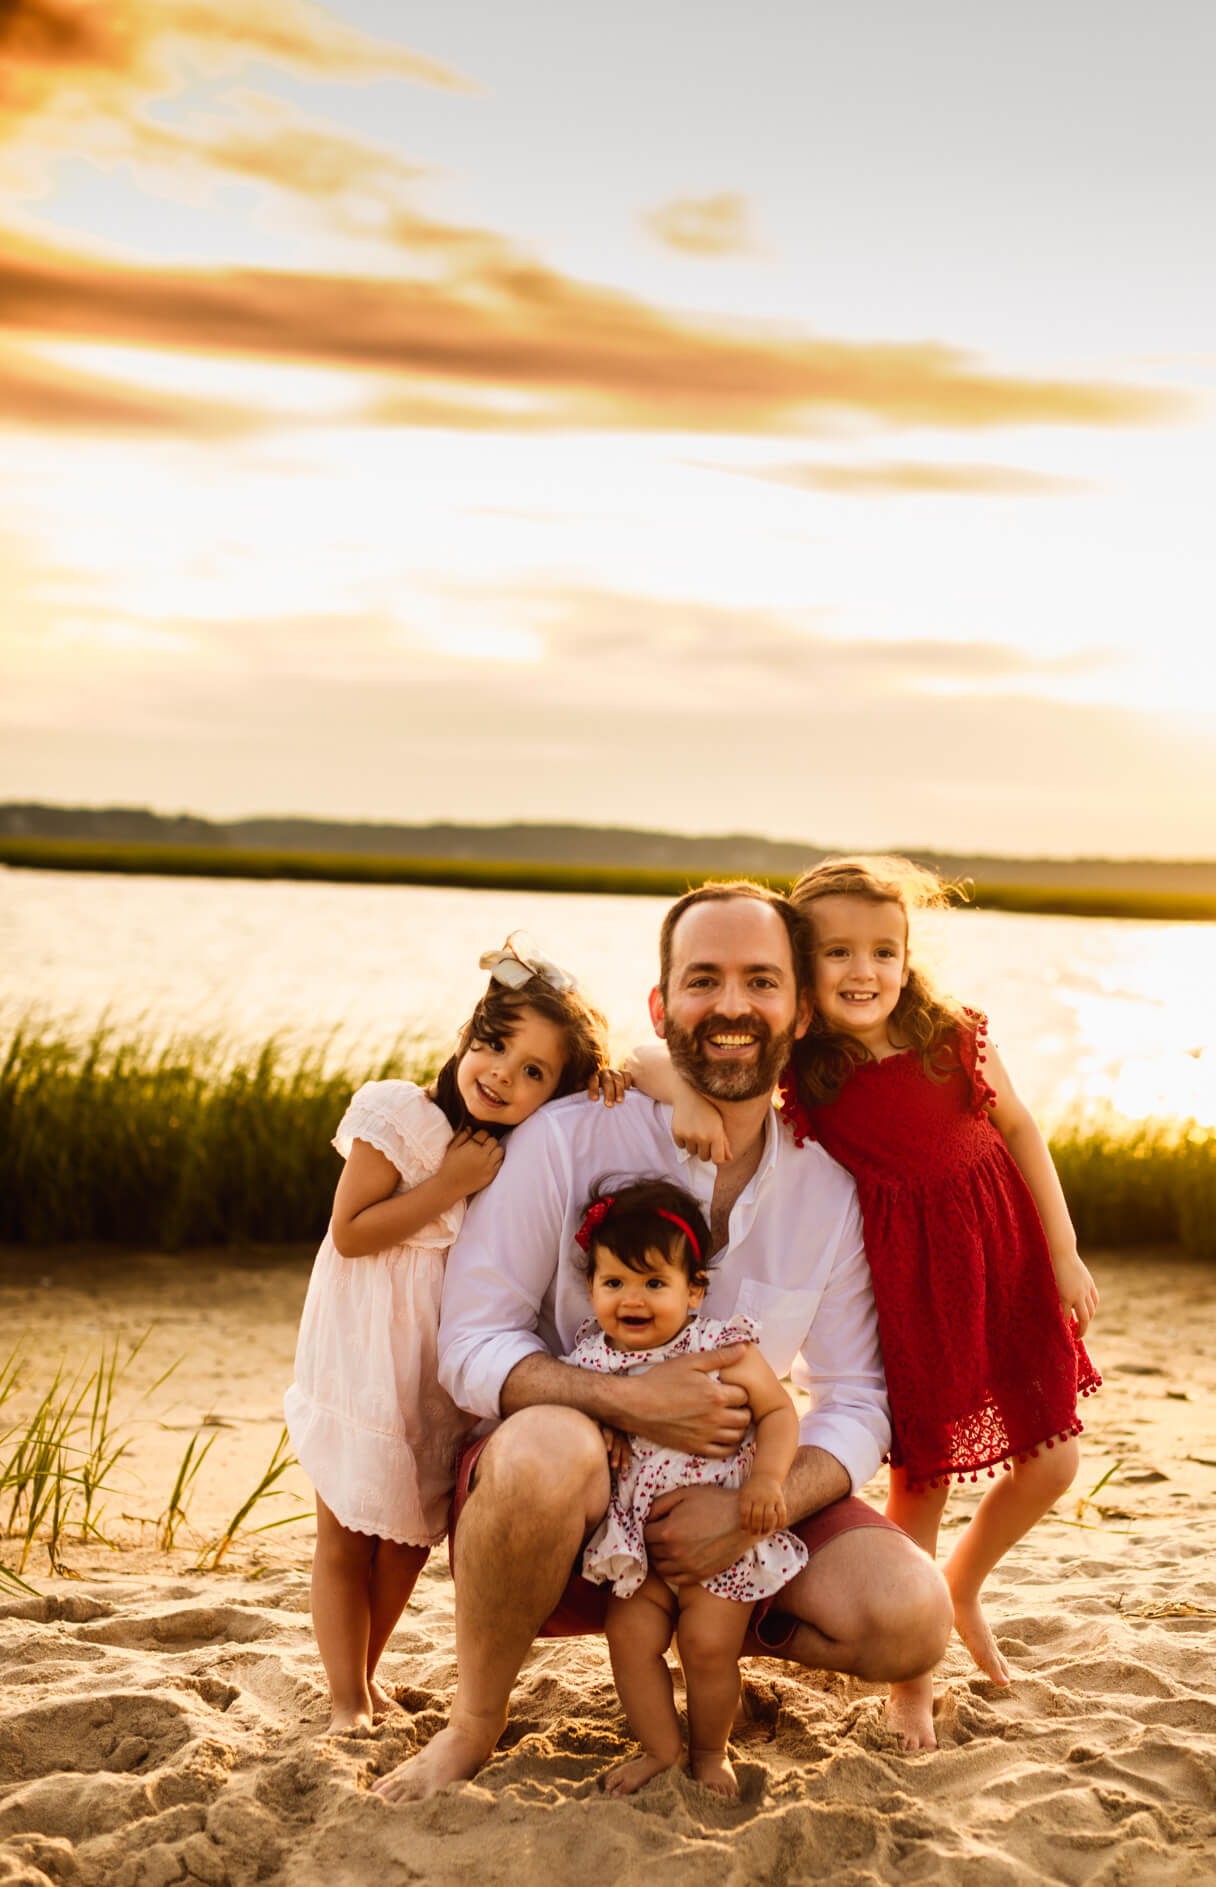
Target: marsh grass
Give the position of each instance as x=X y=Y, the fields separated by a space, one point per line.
x=194 y=1143
x=201 y=861
x=1146 y=1182
x=184 y=1143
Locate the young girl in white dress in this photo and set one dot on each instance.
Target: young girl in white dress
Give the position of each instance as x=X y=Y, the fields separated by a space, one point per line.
x=646 y=1245
x=372 y=1427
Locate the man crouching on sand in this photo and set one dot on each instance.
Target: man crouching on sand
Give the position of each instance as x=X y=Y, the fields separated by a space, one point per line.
x=786 y=1230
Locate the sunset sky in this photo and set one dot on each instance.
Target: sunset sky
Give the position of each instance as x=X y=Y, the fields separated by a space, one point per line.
x=775 y=418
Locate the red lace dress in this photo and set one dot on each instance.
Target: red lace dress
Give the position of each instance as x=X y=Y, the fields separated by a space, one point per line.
x=981 y=1366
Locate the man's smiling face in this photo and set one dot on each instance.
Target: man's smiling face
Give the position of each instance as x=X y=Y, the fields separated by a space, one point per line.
x=731 y=1010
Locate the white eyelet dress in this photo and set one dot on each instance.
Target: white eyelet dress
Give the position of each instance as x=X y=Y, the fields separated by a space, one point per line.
x=374 y=1431
x=616 y=1553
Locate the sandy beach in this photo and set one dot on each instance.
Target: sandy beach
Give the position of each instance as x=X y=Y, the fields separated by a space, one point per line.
x=162 y=1724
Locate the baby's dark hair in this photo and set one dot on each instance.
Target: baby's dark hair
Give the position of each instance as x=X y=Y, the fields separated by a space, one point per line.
x=631 y=1219
x=496 y=1018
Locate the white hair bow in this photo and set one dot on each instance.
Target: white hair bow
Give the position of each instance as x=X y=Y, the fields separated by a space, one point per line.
x=519 y=961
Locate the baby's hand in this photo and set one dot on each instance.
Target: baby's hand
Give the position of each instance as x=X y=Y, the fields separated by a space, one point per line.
x=1078 y=1292
x=609 y=1085
x=472 y=1160
x=761 y=1505
x=697 y=1126
x=619 y=1452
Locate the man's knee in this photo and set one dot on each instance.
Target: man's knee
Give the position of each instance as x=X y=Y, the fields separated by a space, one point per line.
x=548 y=1457
x=912 y=1615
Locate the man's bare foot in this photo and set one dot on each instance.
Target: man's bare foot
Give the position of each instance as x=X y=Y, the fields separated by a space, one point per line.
x=910 y=1713
x=976 y=1633
x=714 y=1768
x=628 y=1778
x=355 y=1720
x=454 y=1754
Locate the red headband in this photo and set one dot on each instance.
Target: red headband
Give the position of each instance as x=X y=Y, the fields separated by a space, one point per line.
x=597 y=1213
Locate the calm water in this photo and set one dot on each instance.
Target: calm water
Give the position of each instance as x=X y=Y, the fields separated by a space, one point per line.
x=1087 y=1012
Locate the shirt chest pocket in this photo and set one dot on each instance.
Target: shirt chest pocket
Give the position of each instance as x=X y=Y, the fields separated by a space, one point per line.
x=784 y=1318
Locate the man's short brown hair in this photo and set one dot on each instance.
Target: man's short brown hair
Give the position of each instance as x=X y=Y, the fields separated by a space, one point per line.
x=721 y=891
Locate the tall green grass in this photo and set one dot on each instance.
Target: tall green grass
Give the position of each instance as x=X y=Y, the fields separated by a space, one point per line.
x=124 y=1142
x=189 y=1143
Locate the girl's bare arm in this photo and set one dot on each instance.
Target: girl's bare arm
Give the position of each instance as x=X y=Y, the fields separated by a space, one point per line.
x=370 y=1215
x=762 y=1507
x=1021 y=1134
x=696 y=1124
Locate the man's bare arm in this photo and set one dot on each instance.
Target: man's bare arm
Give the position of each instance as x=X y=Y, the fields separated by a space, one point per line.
x=677 y=1404
x=694 y=1532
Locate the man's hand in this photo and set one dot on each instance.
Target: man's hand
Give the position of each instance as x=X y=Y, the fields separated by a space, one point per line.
x=695 y=1532
x=679 y=1405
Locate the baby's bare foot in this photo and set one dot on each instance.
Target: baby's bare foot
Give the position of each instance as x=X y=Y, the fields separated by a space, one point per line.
x=628 y=1778
x=454 y=1754
x=976 y=1633
x=910 y=1713
x=714 y=1768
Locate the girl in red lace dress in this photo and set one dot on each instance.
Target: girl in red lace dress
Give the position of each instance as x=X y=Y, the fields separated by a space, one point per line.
x=982 y=1299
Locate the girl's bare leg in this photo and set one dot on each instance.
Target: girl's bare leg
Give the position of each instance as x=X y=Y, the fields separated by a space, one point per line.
x=394 y=1574
x=711 y=1633
x=639 y=1632
x=341 y=1617
x=1008 y=1510
x=910 y=1704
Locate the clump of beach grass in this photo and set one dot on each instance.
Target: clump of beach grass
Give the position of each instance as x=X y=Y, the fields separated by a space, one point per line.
x=56 y=1463
x=280 y=1461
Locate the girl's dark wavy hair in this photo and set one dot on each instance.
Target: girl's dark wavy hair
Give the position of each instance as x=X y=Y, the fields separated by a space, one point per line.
x=497 y=1017
x=632 y=1226
x=923 y=1018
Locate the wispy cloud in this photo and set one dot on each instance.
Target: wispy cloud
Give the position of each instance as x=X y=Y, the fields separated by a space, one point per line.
x=703 y=226
x=50 y=398
x=460 y=327
x=592 y=355
x=701 y=644
x=112 y=55
x=899 y=478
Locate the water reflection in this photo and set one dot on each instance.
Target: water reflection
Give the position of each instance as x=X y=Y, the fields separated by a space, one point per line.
x=1086 y=1011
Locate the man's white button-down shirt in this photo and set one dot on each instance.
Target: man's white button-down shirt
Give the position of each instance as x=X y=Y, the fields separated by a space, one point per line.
x=794 y=1261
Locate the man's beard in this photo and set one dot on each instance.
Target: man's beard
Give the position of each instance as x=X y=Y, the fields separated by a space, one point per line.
x=722 y=1079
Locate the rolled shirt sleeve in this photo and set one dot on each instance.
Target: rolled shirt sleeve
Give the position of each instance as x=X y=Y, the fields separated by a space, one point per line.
x=499 y=1284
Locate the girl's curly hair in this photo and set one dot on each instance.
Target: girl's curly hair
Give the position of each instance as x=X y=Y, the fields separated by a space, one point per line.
x=924 y=1018
x=497 y=1017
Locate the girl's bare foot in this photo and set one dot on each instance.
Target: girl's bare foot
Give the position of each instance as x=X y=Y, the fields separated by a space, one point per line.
x=350 y=1720
x=382 y=1700
x=628 y=1778
x=454 y=1754
x=976 y=1633
x=910 y=1712
x=714 y=1768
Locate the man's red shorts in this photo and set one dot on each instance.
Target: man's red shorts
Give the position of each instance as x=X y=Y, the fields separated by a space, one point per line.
x=583 y=1607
